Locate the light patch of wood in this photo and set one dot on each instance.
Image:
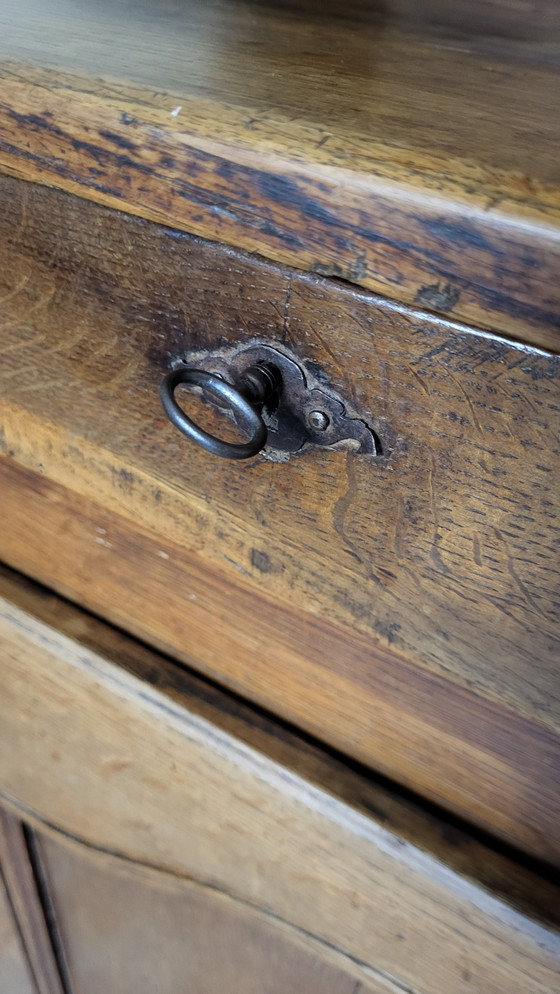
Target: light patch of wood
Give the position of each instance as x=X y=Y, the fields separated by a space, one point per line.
x=106 y=757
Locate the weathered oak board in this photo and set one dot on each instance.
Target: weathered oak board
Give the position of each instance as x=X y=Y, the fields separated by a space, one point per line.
x=341 y=593
x=412 y=151
x=93 y=734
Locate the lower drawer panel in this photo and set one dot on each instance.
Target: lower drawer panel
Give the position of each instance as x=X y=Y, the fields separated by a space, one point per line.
x=169 y=822
x=405 y=610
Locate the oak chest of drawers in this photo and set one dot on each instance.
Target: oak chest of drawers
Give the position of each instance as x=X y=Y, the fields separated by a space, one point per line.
x=398 y=602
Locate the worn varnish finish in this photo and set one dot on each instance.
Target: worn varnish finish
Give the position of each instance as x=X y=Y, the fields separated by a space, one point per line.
x=287 y=863
x=412 y=152
x=424 y=584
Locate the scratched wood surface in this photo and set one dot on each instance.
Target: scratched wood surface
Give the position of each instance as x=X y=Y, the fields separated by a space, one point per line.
x=409 y=148
x=226 y=836
x=340 y=592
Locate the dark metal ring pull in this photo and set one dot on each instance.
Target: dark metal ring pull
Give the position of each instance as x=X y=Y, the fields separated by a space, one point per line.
x=245 y=401
x=275 y=399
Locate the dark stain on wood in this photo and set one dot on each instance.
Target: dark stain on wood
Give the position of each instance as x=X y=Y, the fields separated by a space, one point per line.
x=262 y=561
x=437 y=297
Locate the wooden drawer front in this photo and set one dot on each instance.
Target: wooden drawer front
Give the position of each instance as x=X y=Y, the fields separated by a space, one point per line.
x=405 y=610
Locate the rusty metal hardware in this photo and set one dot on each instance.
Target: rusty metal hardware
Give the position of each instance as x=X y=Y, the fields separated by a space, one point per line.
x=271 y=397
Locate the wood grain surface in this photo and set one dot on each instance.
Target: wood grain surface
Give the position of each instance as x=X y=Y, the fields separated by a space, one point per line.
x=412 y=151
x=424 y=583
x=116 y=763
x=22 y=889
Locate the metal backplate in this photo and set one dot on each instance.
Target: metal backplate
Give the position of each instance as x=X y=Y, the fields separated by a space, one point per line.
x=302 y=412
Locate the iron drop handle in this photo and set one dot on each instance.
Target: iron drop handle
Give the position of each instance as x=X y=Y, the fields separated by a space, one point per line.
x=245 y=400
x=273 y=398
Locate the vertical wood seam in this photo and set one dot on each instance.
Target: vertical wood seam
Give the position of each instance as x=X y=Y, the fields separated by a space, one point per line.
x=19 y=877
